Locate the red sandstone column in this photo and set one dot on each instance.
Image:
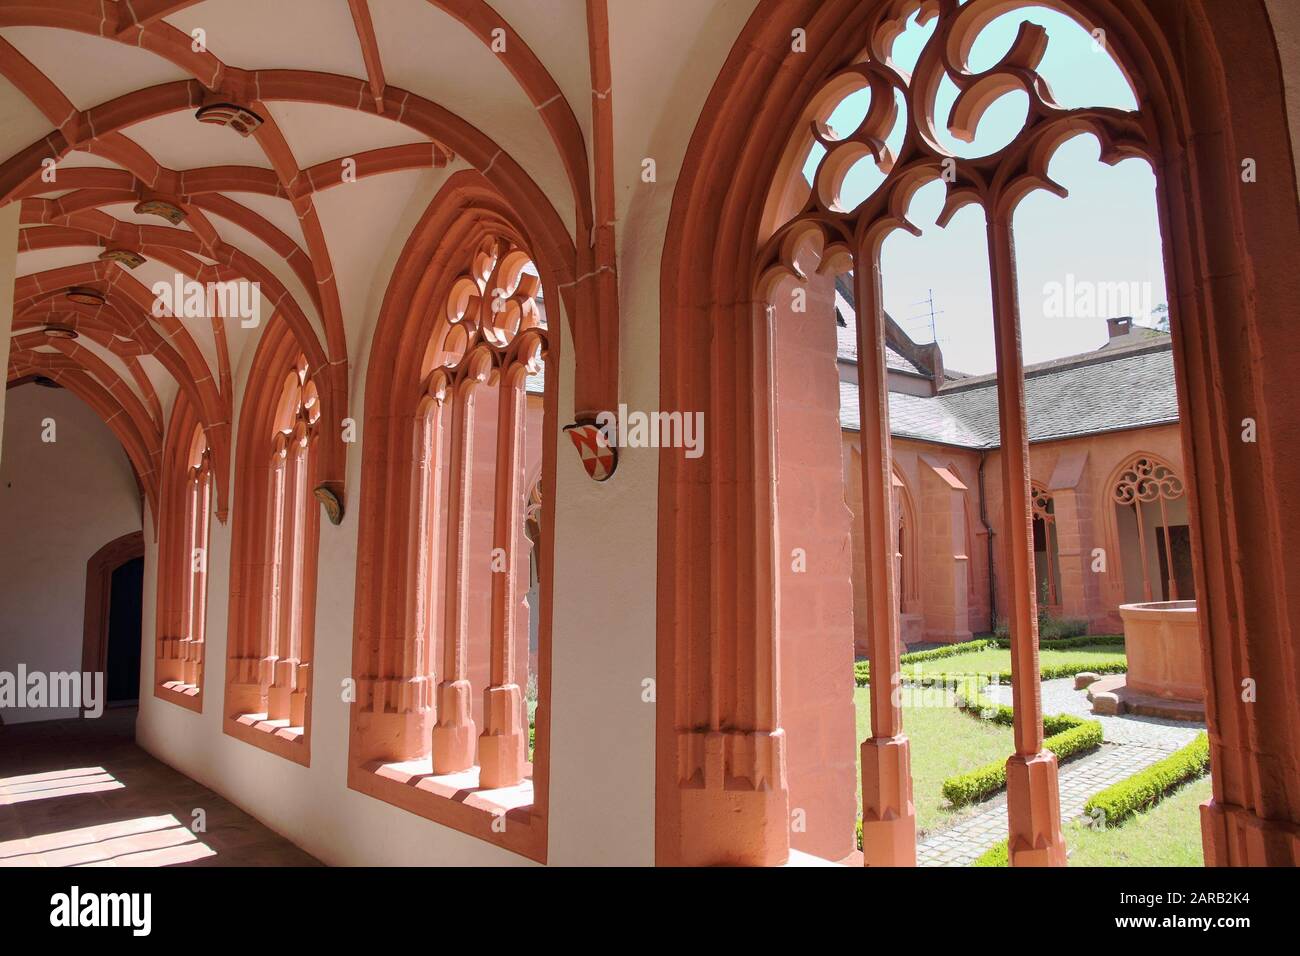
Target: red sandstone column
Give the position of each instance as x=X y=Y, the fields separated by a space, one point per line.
x=888 y=815
x=815 y=645
x=276 y=570
x=198 y=579
x=502 y=744
x=454 y=734
x=288 y=635
x=1033 y=801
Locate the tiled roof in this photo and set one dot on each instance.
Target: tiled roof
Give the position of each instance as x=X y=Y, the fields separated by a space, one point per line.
x=847 y=335
x=1136 y=335
x=1067 y=398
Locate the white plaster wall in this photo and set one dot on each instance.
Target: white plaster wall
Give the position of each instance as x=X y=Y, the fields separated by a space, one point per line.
x=60 y=502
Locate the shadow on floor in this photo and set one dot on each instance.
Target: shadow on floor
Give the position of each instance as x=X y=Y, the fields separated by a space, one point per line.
x=81 y=793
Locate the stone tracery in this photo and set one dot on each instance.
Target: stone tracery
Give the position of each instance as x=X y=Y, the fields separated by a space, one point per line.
x=852 y=239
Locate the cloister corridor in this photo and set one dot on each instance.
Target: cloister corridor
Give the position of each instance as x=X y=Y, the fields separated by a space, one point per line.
x=655 y=435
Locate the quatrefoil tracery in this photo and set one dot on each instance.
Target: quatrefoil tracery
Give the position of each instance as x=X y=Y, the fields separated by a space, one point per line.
x=297 y=412
x=996 y=181
x=492 y=327
x=1146 y=480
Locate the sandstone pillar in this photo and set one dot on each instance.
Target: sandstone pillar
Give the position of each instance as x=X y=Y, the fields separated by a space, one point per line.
x=1033 y=802
x=454 y=734
x=503 y=743
x=888 y=814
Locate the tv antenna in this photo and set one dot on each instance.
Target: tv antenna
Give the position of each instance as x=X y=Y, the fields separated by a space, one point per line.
x=928 y=315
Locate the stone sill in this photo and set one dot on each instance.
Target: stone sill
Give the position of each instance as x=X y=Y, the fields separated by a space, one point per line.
x=462 y=787
x=280 y=728
x=508 y=817
x=275 y=736
x=189 y=696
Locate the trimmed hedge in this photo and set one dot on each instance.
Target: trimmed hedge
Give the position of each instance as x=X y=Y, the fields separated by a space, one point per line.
x=862 y=669
x=999 y=854
x=973 y=702
x=1066 y=643
x=1139 y=792
x=1075 y=736
x=1049 y=672
x=1145 y=788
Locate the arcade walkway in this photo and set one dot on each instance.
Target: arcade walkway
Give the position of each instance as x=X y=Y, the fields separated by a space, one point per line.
x=81 y=793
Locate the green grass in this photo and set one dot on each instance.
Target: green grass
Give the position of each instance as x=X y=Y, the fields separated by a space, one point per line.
x=996 y=660
x=1169 y=834
x=944 y=742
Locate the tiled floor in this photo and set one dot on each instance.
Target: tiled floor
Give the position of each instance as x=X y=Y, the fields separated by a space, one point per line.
x=81 y=793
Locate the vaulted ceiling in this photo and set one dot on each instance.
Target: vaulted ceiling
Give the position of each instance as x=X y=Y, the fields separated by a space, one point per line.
x=99 y=119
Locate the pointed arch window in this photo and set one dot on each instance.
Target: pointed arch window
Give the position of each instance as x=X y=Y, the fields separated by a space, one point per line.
x=291 y=509
x=453 y=578
x=1046 y=550
x=273 y=574
x=183 y=561
x=1154 y=538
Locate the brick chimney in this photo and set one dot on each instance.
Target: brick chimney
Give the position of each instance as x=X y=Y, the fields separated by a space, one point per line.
x=1121 y=325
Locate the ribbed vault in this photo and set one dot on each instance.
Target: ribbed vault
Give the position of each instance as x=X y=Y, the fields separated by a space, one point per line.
x=238 y=141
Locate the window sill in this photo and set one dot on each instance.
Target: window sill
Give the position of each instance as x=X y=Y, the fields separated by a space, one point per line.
x=275 y=736
x=279 y=728
x=189 y=696
x=505 y=816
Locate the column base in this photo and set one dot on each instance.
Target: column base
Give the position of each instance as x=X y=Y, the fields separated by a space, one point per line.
x=455 y=734
x=169 y=664
x=1034 y=811
x=502 y=747
x=735 y=801
x=888 y=813
x=1234 y=836
x=279 y=697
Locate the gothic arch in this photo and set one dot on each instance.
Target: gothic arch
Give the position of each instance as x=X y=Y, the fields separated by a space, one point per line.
x=267 y=411
x=715 y=569
x=583 y=271
x=99 y=579
x=392 y=654
x=182 y=567
x=909 y=575
x=1169 y=483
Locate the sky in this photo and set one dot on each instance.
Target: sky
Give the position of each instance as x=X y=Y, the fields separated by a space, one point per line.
x=1102 y=242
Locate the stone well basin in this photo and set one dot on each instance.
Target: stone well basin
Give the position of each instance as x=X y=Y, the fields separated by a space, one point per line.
x=1163 y=646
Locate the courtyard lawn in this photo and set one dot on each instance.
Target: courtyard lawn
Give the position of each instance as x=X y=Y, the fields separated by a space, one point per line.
x=1169 y=834
x=945 y=742
x=993 y=660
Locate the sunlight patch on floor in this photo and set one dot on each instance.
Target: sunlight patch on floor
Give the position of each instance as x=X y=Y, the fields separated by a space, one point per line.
x=56 y=783
x=144 y=841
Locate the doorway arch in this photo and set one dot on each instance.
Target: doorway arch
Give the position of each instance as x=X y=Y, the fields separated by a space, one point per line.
x=99 y=591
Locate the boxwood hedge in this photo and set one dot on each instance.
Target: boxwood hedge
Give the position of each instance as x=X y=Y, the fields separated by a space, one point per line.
x=1145 y=788
x=1076 y=736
